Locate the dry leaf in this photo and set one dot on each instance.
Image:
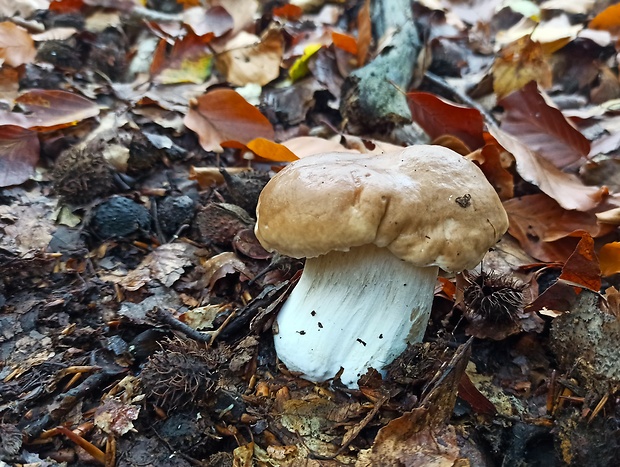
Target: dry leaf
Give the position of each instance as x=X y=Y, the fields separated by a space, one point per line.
x=610 y=258
x=438 y=117
x=189 y=60
x=519 y=63
x=19 y=154
x=268 y=150
x=364 y=33
x=47 y=110
x=494 y=161
x=565 y=188
x=250 y=60
x=16 y=45
x=608 y=19
x=542 y=127
x=115 y=417
x=215 y=21
x=223 y=115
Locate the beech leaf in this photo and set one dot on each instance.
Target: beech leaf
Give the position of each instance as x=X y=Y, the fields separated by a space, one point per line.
x=223 y=115
x=566 y=189
x=610 y=258
x=16 y=45
x=19 y=154
x=438 y=117
x=542 y=127
x=271 y=151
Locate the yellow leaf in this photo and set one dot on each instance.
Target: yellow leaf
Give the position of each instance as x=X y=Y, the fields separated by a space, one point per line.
x=299 y=69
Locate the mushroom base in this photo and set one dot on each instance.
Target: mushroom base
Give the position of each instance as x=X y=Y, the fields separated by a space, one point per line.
x=356 y=310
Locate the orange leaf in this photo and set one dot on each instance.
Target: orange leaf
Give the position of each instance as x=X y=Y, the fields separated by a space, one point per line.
x=491 y=159
x=16 y=45
x=66 y=6
x=19 y=154
x=288 y=11
x=269 y=150
x=223 y=115
x=345 y=42
x=542 y=127
x=582 y=267
x=608 y=19
x=47 y=110
x=438 y=117
x=610 y=258
x=364 y=33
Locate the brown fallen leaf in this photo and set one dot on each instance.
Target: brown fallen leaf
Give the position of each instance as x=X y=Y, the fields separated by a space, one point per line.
x=565 y=188
x=538 y=223
x=16 y=45
x=542 y=127
x=249 y=59
x=494 y=161
x=47 y=110
x=19 y=154
x=215 y=20
x=188 y=61
x=223 y=115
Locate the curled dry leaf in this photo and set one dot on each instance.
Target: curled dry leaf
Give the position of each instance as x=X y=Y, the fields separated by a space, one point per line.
x=223 y=264
x=222 y=115
x=566 y=189
x=537 y=222
x=494 y=162
x=252 y=60
x=49 y=110
x=19 y=154
x=16 y=45
x=542 y=127
x=519 y=63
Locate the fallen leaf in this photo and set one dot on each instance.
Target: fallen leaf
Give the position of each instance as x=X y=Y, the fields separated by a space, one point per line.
x=494 y=161
x=438 y=117
x=288 y=11
x=268 y=150
x=345 y=42
x=25 y=8
x=16 y=45
x=608 y=19
x=215 y=21
x=189 y=60
x=519 y=63
x=223 y=115
x=538 y=222
x=565 y=188
x=542 y=127
x=252 y=60
x=219 y=266
x=300 y=68
x=19 y=154
x=610 y=258
x=115 y=417
x=47 y=110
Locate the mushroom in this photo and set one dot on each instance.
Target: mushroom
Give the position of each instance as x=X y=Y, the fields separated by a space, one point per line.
x=374 y=230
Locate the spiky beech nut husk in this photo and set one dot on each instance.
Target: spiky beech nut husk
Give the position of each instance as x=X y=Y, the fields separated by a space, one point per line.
x=108 y=54
x=245 y=188
x=493 y=298
x=220 y=222
x=81 y=174
x=65 y=54
x=143 y=156
x=181 y=373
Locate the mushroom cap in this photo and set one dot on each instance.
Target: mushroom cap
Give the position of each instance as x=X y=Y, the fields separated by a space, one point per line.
x=427 y=204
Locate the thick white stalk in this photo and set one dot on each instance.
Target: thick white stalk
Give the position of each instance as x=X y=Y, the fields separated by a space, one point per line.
x=357 y=310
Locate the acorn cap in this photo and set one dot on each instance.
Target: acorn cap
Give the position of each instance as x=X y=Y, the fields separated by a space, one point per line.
x=427 y=204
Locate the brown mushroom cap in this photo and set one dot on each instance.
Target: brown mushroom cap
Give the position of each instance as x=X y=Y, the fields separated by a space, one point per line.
x=427 y=204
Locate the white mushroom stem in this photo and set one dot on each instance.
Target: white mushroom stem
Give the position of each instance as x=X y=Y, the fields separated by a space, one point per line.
x=356 y=310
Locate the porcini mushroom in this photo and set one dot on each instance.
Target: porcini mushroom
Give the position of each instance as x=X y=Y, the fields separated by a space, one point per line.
x=374 y=230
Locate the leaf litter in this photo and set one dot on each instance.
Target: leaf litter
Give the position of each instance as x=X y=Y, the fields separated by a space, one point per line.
x=137 y=307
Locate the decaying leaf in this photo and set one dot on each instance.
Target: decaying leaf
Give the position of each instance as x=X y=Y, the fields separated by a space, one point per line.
x=542 y=127
x=19 y=154
x=115 y=417
x=189 y=60
x=518 y=64
x=222 y=115
x=215 y=20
